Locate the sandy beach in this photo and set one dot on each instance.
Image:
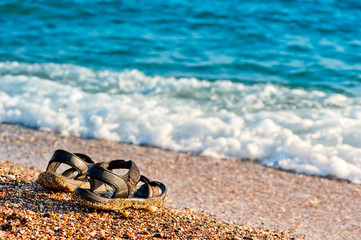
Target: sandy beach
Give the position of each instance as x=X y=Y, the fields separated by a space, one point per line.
x=240 y=192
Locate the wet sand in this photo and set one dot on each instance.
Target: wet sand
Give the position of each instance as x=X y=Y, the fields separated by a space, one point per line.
x=240 y=192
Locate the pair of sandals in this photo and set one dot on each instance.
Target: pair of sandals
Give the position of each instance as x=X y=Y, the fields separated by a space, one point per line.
x=97 y=186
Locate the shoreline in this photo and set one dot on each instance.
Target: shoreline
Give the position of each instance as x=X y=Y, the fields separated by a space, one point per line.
x=240 y=192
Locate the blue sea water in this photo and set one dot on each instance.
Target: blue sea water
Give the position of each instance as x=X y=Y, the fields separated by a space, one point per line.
x=274 y=81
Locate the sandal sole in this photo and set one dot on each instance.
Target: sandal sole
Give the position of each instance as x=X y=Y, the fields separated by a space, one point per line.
x=55 y=181
x=119 y=203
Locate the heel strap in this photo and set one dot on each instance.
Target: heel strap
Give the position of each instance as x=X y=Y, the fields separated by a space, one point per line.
x=79 y=162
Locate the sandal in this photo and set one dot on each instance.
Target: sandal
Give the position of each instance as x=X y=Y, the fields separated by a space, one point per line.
x=72 y=177
x=109 y=191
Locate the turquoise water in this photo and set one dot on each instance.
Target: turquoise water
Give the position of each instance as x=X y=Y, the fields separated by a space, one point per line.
x=308 y=44
x=278 y=82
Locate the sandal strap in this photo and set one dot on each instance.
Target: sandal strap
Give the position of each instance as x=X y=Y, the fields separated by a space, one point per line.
x=125 y=185
x=79 y=162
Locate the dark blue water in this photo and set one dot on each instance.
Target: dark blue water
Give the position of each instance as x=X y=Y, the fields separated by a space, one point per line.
x=308 y=44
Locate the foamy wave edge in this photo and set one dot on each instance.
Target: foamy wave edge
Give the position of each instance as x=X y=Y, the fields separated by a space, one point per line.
x=310 y=132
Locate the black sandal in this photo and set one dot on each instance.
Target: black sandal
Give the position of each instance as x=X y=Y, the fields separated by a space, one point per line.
x=72 y=177
x=109 y=191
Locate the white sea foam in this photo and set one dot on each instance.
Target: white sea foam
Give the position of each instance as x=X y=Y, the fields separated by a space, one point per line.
x=311 y=132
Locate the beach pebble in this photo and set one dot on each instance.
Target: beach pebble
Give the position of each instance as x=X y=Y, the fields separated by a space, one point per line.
x=152 y=209
x=11 y=177
x=125 y=214
x=158 y=235
x=92 y=233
